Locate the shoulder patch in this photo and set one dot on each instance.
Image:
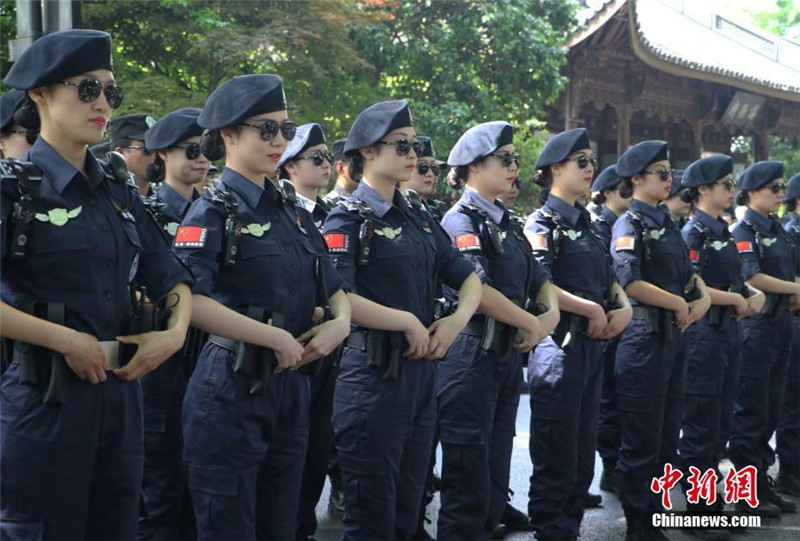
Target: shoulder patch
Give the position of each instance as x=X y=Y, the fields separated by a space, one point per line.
x=625 y=244
x=538 y=242
x=190 y=237
x=467 y=242
x=337 y=243
x=745 y=247
x=694 y=255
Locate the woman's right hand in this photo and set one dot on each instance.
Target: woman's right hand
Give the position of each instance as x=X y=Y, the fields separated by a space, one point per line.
x=85 y=357
x=742 y=308
x=417 y=337
x=682 y=315
x=597 y=321
x=287 y=350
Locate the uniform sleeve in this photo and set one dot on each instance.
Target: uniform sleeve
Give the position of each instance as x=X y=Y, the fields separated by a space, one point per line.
x=540 y=236
x=603 y=229
x=159 y=269
x=462 y=242
x=8 y=196
x=626 y=251
x=340 y=233
x=333 y=279
x=746 y=245
x=694 y=242
x=198 y=243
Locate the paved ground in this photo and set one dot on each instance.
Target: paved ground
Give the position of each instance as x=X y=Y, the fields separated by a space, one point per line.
x=606 y=523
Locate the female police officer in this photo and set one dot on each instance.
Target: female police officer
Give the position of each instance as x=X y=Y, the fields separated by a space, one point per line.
x=80 y=240
x=253 y=252
x=652 y=264
x=478 y=380
x=712 y=345
x=384 y=403
x=770 y=265
x=307 y=164
x=15 y=140
x=566 y=370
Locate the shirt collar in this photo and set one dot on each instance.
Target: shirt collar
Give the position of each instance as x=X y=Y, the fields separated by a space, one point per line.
x=307 y=203
x=495 y=212
x=609 y=215
x=717 y=226
x=341 y=191
x=58 y=171
x=761 y=222
x=659 y=216
x=571 y=213
x=795 y=220
x=174 y=200
x=246 y=189
x=377 y=203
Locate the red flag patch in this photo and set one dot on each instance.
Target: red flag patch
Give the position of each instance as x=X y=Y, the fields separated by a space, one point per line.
x=538 y=241
x=694 y=255
x=745 y=247
x=468 y=242
x=190 y=237
x=625 y=244
x=337 y=243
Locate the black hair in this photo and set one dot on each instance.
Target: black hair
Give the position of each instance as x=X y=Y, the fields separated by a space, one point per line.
x=457 y=176
x=743 y=198
x=689 y=195
x=544 y=179
x=211 y=145
x=626 y=188
x=599 y=198
x=282 y=172
x=27 y=116
x=124 y=142
x=156 y=171
x=791 y=205
x=355 y=167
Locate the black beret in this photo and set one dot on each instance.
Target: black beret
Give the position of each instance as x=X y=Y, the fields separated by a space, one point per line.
x=480 y=141
x=608 y=179
x=241 y=97
x=759 y=174
x=639 y=156
x=792 y=188
x=707 y=170
x=173 y=128
x=9 y=103
x=375 y=122
x=677 y=184
x=58 y=56
x=338 y=150
x=100 y=150
x=427 y=148
x=308 y=135
x=129 y=127
x=562 y=145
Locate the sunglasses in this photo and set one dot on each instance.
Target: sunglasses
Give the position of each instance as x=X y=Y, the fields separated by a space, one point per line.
x=778 y=187
x=89 y=90
x=424 y=167
x=404 y=146
x=146 y=151
x=663 y=174
x=583 y=161
x=507 y=158
x=318 y=157
x=192 y=150
x=30 y=135
x=270 y=128
x=728 y=183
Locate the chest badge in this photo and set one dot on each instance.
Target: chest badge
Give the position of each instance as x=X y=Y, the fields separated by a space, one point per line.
x=719 y=244
x=257 y=230
x=770 y=242
x=656 y=234
x=573 y=235
x=389 y=233
x=172 y=228
x=59 y=217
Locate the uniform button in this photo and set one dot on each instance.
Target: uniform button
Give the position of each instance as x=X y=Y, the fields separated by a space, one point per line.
x=93 y=201
x=108 y=295
x=105 y=227
x=293 y=291
x=109 y=263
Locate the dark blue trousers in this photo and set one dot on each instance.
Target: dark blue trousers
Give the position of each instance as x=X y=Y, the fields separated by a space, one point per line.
x=765 y=353
x=384 y=436
x=565 y=404
x=650 y=379
x=788 y=433
x=244 y=454
x=478 y=399
x=710 y=354
x=72 y=471
x=608 y=432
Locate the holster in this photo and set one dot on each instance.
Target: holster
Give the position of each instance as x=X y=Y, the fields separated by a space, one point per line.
x=569 y=326
x=657 y=320
x=720 y=316
x=385 y=352
x=40 y=366
x=254 y=361
x=144 y=316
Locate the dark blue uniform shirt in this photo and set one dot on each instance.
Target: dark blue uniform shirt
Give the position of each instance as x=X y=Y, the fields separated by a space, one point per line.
x=603 y=224
x=647 y=245
x=793 y=228
x=712 y=251
x=406 y=256
x=91 y=237
x=175 y=207
x=568 y=247
x=765 y=247
x=277 y=254
x=506 y=273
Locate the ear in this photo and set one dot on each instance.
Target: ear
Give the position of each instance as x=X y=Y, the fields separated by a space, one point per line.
x=368 y=153
x=37 y=95
x=555 y=169
x=163 y=155
x=120 y=150
x=340 y=168
x=473 y=169
x=291 y=167
x=637 y=180
x=227 y=136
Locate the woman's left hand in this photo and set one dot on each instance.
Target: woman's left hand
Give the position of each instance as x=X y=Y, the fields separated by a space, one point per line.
x=154 y=348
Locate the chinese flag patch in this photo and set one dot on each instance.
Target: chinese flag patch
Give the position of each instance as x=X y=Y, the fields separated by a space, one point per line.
x=624 y=244
x=190 y=237
x=337 y=243
x=468 y=242
x=694 y=255
x=745 y=247
x=538 y=241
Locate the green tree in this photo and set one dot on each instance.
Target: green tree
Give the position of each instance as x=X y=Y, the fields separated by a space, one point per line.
x=8 y=31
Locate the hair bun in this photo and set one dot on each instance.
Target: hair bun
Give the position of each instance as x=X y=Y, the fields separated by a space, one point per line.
x=27 y=116
x=211 y=145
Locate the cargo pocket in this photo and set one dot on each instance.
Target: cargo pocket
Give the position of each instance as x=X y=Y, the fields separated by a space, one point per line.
x=214 y=482
x=461 y=433
x=13 y=530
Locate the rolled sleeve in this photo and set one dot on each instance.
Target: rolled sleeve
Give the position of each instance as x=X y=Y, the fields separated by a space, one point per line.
x=202 y=261
x=695 y=243
x=626 y=252
x=455 y=225
x=540 y=236
x=746 y=245
x=340 y=232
